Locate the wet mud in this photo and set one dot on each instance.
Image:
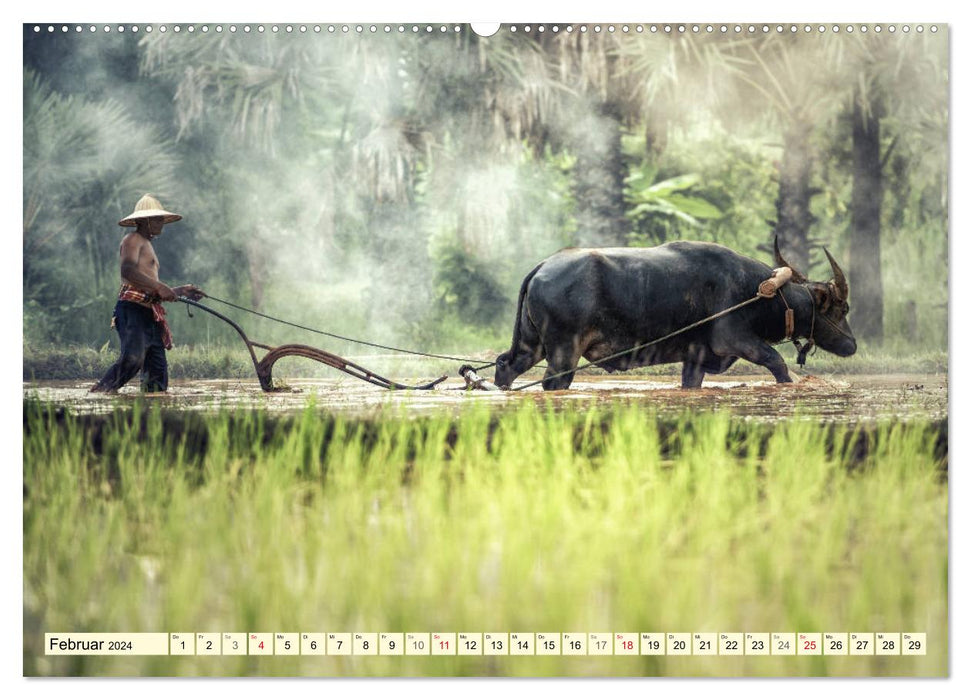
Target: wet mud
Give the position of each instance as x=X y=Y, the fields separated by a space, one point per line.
x=850 y=399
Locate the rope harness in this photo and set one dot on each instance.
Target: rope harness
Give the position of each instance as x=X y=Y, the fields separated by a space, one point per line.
x=802 y=349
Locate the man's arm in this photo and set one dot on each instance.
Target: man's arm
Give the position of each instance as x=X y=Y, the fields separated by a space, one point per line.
x=131 y=248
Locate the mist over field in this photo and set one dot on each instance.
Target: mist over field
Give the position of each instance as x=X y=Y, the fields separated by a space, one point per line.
x=396 y=186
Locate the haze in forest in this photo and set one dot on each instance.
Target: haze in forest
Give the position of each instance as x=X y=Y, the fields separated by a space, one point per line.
x=398 y=186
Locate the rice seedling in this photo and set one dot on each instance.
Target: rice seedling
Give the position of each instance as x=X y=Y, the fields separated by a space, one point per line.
x=608 y=519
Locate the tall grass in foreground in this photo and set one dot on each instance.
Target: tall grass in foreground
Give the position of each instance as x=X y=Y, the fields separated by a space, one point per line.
x=602 y=520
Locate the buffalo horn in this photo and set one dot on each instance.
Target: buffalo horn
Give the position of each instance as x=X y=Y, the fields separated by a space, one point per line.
x=797 y=276
x=839 y=279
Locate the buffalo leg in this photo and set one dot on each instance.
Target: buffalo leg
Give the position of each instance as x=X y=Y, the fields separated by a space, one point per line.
x=510 y=365
x=692 y=374
x=761 y=353
x=717 y=365
x=561 y=358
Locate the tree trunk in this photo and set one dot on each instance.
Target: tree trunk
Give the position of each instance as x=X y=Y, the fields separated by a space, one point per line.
x=793 y=217
x=865 y=276
x=655 y=136
x=599 y=178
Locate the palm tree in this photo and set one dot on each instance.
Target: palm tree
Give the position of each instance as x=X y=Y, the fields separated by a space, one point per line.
x=867 y=80
x=595 y=106
x=789 y=80
x=79 y=174
x=889 y=74
x=267 y=106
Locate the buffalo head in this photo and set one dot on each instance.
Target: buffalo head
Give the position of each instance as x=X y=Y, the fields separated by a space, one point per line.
x=505 y=374
x=830 y=331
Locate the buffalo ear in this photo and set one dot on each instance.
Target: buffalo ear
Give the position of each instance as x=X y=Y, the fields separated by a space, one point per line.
x=822 y=296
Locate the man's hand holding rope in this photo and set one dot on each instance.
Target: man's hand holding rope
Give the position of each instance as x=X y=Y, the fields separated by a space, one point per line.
x=189 y=291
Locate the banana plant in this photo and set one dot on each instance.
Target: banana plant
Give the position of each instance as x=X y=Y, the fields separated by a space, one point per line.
x=671 y=198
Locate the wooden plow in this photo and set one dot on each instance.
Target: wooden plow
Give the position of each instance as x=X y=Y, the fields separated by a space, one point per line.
x=264 y=367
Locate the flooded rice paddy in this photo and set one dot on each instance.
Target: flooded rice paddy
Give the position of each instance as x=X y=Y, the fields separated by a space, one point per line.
x=848 y=398
x=373 y=508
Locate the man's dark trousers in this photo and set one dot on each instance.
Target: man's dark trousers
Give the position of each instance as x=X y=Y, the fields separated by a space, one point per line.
x=141 y=350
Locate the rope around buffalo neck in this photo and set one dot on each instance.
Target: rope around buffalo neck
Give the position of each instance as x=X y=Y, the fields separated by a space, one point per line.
x=803 y=349
x=350 y=340
x=645 y=345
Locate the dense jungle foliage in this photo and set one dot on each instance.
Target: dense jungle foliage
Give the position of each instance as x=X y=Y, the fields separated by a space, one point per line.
x=397 y=186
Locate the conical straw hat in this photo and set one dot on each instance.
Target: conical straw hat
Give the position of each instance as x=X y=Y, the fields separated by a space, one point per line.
x=148 y=207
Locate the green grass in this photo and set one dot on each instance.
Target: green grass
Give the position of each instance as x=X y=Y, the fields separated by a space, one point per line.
x=185 y=362
x=597 y=520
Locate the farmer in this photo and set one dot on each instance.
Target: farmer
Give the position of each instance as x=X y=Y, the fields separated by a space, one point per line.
x=139 y=317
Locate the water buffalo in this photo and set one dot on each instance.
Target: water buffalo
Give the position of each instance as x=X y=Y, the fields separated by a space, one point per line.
x=594 y=302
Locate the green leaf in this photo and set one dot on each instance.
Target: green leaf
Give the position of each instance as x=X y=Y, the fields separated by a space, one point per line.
x=657 y=206
x=695 y=206
x=642 y=175
x=681 y=182
x=687 y=218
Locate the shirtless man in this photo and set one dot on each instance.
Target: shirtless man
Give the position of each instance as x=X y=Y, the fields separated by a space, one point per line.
x=139 y=317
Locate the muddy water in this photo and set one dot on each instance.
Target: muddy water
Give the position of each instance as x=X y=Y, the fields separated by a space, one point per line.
x=849 y=398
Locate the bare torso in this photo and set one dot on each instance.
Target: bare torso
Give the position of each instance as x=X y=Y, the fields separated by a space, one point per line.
x=139 y=264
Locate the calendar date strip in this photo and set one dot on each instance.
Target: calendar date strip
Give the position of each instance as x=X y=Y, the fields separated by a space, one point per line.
x=486 y=644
